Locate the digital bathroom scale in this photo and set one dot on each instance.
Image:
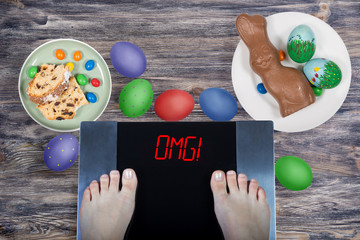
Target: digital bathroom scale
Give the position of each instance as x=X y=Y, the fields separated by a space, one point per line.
x=174 y=162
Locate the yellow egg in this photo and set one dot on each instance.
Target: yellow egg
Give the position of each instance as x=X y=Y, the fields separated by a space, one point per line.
x=71 y=65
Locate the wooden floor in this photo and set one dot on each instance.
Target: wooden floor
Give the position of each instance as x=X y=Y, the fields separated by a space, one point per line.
x=189 y=45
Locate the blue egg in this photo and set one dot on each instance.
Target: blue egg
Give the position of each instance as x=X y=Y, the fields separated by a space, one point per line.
x=91 y=97
x=261 y=88
x=218 y=104
x=89 y=65
x=61 y=152
x=128 y=59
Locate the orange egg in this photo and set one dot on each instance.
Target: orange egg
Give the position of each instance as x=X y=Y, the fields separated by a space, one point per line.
x=60 y=54
x=282 y=55
x=77 y=56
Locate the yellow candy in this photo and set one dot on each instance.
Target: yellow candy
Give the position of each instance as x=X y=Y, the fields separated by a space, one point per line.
x=71 y=65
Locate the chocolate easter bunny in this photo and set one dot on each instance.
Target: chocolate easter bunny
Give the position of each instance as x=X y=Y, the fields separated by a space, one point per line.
x=287 y=85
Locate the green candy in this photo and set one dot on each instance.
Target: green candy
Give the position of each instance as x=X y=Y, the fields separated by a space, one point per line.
x=317 y=91
x=293 y=173
x=81 y=79
x=136 y=98
x=32 y=71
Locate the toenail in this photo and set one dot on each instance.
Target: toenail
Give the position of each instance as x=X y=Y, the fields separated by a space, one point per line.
x=104 y=176
x=231 y=172
x=115 y=172
x=128 y=174
x=242 y=175
x=253 y=180
x=219 y=176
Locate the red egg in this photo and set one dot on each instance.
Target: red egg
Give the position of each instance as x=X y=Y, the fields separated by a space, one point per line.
x=174 y=105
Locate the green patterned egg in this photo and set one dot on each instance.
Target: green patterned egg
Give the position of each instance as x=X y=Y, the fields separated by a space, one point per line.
x=322 y=73
x=301 y=44
x=136 y=98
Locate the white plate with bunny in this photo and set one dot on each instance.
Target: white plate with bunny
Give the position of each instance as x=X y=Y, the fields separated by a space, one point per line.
x=329 y=45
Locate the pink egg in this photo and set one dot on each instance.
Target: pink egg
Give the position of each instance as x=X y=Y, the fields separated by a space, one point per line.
x=174 y=105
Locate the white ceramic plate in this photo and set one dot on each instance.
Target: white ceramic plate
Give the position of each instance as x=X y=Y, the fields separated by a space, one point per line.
x=264 y=107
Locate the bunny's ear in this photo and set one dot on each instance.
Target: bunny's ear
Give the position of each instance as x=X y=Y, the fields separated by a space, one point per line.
x=245 y=28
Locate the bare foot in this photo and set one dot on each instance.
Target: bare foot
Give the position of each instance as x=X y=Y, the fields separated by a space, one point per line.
x=242 y=214
x=105 y=211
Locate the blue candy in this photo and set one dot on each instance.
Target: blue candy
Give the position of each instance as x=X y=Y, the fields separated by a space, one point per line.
x=261 y=88
x=89 y=65
x=91 y=97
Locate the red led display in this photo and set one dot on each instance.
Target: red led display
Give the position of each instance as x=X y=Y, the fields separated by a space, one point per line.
x=188 y=148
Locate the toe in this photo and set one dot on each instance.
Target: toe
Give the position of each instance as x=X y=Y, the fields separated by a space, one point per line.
x=242 y=180
x=231 y=181
x=253 y=188
x=261 y=195
x=129 y=183
x=218 y=183
x=114 y=181
x=94 y=189
x=104 y=183
x=86 y=196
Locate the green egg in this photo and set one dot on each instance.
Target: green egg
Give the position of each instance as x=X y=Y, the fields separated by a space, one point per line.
x=301 y=44
x=32 y=71
x=81 y=79
x=293 y=173
x=136 y=98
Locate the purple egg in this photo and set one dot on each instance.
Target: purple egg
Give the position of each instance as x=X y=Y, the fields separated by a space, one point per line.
x=128 y=59
x=61 y=152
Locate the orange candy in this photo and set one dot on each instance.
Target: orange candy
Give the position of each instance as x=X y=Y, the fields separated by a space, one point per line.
x=77 y=56
x=282 y=55
x=60 y=54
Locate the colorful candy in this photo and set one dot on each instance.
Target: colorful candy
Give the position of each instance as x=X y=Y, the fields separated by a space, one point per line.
x=32 y=71
x=77 y=56
x=317 y=91
x=91 y=97
x=261 y=88
x=89 y=65
x=95 y=82
x=70 y=65
x=81 y=79
x=282 y=55
x=60 y=54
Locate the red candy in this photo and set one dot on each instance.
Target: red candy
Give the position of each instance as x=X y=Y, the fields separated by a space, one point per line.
x=95 y=82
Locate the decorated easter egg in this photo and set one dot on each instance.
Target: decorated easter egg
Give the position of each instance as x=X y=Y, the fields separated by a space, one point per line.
x=32 y=71
x=61 y=152
x=81 y=79
x=136 y=98
x=174 y=105
x=293 y=173
x=60 y=54
x=322 y=73
x=128 y=59
x=91 y=97
x=218 y=104
x=301 y=44
x=89 y=65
